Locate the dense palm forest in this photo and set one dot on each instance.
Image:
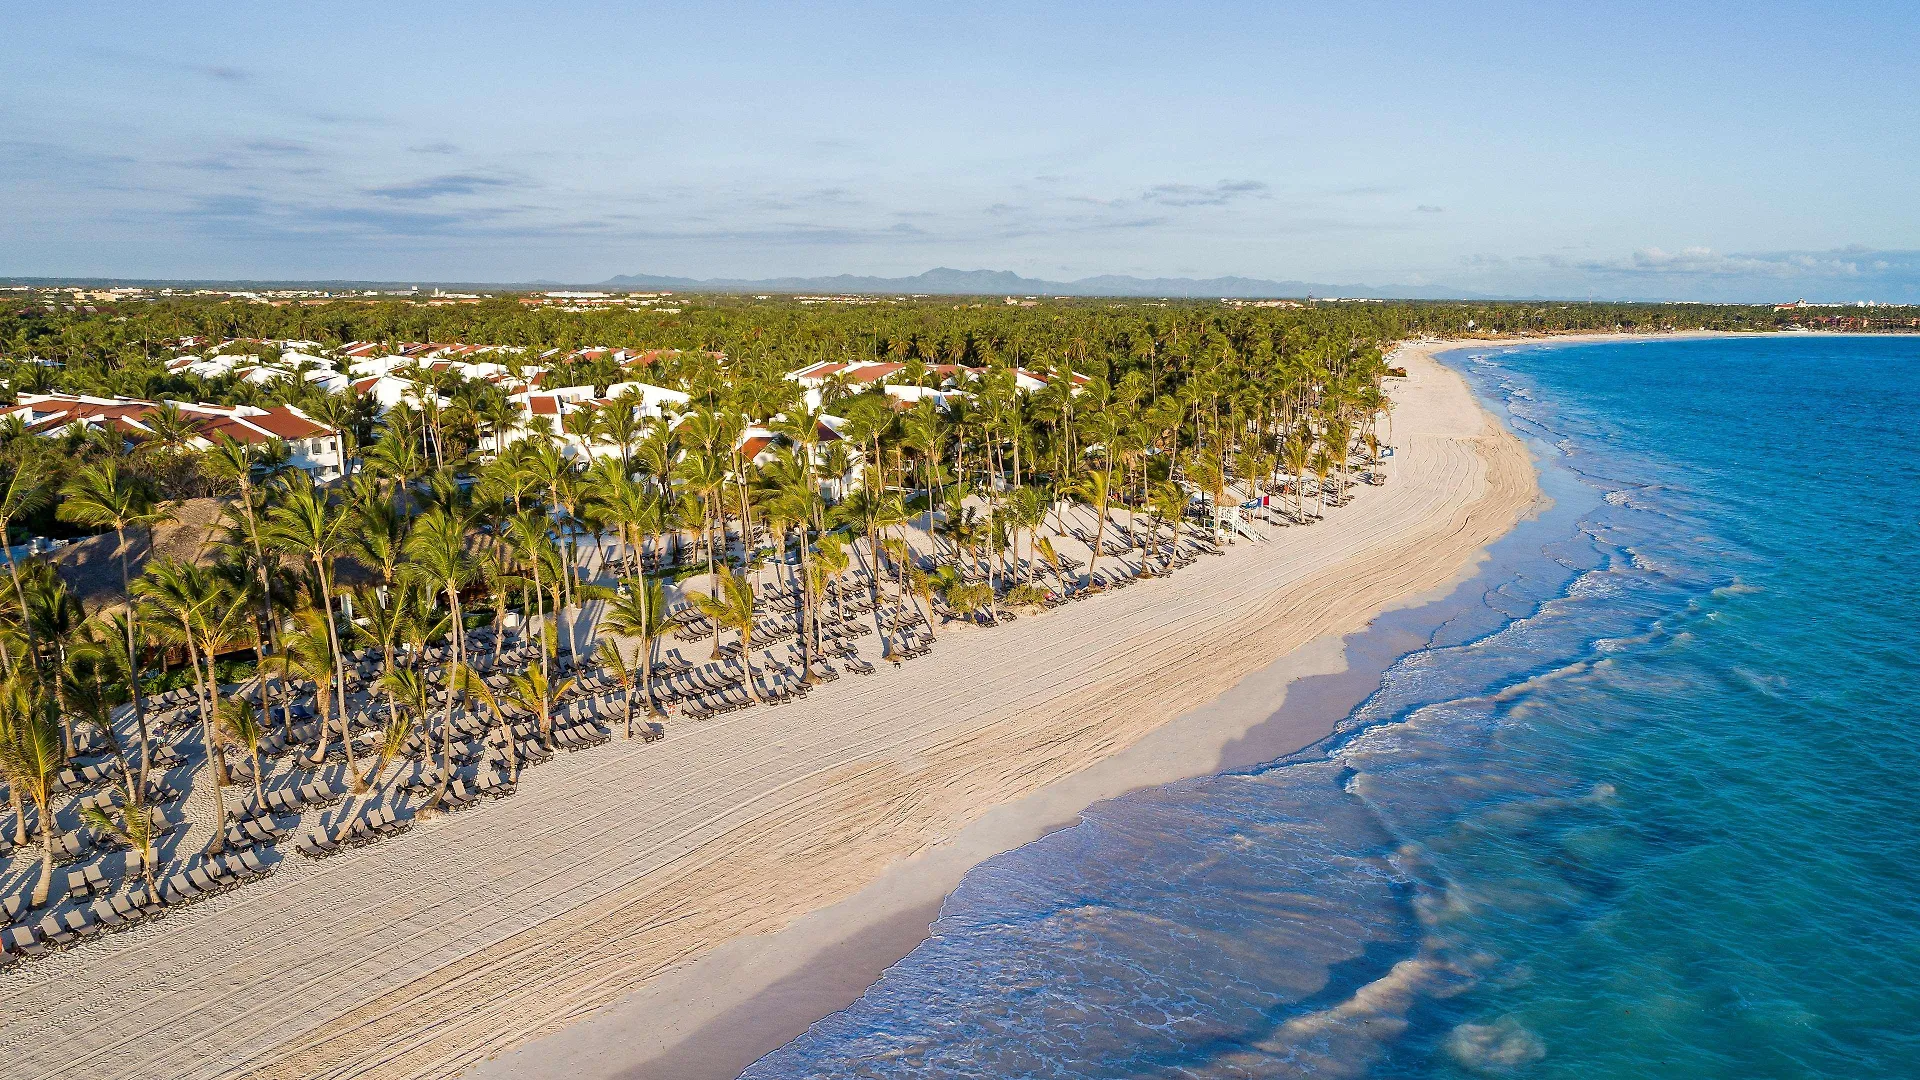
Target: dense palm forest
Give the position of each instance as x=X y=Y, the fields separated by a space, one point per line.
x=478 y=585
x=119 y=349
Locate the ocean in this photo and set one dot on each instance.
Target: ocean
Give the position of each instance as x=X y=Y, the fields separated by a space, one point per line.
x=1642 y=803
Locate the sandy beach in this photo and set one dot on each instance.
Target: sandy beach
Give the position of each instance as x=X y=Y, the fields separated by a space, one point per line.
x=679 y=908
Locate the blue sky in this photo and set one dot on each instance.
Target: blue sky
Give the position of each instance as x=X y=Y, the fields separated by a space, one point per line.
x=1745 y=152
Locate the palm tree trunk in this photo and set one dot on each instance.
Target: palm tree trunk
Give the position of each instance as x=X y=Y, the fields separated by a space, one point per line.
x=339 y=666
x=1099 y=540
x=19 y=816
x=20 y=592
x=746 y=657
x=808 y=615
x=540 y=616
x=215 y=760
x=263 y=625
x=446 y=716
x=47 y=828
x=133 y=664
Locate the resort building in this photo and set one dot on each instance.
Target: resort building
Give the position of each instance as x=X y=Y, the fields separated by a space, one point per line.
x=311 y=445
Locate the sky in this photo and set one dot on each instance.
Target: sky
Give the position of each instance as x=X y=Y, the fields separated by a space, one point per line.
x=1741 y=152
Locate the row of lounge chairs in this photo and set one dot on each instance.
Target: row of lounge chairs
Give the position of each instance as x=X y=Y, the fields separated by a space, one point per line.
x=110 y=913
x=215 y=875
x=255 y=831
x=85 y=776
x=292 y=800
x=321 y=842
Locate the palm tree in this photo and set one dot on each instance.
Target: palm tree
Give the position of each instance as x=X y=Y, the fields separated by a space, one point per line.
x=26 y=491
x=437 y=558
x=639 y=611
x=919 y=585
x=93 y=685
x=705 y=475
x=872 y=509
x=1094 y=491
x=797 y=502
x=1027 y=511
x=1297 y=455
x=732 y=609
x=608 y=653
x=101 y=496
x=30 y=755
x=532 y=692
x=1322 y=467
x=346 y=413
x=395 y=460
x=310 y=655
x=1209 y=474
x=232 y=461
x=1167 y=505
x=307 y=524
x=969 y=598
x=527 y=531
x=481 y=692
x=407 y=686
x=377 y=536
x=241 y=723
x=131 y=823
x=113 y=641
x=555 y=475
x=194 y=604
x=50 y=618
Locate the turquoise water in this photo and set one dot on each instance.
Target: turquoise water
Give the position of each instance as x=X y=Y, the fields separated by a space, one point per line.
x=1644 y=806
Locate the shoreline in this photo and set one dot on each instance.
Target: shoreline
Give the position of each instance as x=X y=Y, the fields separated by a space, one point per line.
x=717 y=1015
x=685 y=881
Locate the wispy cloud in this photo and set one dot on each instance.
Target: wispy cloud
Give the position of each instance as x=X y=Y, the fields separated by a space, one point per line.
x=1219 y=194
x=1844 y=263
x=435 y=187
x=277 y=147
x=1702 y=273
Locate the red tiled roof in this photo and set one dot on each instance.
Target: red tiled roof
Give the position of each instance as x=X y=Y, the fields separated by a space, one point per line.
x=127 y=415
x=287 y=424
x=867 y=373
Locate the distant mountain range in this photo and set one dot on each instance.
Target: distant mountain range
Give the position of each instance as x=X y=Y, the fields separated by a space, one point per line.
x=946 y=281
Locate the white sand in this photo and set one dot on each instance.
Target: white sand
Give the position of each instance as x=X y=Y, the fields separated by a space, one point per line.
x=647 y=886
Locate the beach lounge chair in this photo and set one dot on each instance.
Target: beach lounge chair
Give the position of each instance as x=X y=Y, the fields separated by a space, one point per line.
x=70 y=846
x=21 y=941
x=317 y=844
x=106 y=913
x=54 y=932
